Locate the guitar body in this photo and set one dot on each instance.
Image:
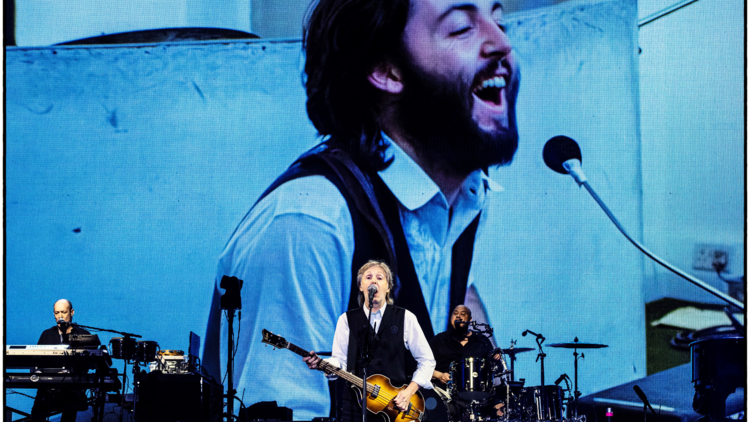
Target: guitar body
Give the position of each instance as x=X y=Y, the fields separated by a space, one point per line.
x=382 y=406
x=381 y=391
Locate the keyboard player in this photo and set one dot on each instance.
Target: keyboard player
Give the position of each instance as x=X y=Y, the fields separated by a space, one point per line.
x=53 y=399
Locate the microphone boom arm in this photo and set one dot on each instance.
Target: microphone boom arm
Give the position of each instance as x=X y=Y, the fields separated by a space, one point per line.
x=688 y=277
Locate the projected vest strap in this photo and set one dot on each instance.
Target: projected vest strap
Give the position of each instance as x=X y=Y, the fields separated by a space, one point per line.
x=378 y=233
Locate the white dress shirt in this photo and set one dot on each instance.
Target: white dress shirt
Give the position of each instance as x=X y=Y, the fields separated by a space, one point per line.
x=414 y=340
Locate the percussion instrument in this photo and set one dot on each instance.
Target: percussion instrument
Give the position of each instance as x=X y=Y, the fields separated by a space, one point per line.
x=123 y=347
x=146 y=351
x=472 y=378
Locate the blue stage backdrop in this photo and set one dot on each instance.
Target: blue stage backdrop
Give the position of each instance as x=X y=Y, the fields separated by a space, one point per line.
x=128 y=167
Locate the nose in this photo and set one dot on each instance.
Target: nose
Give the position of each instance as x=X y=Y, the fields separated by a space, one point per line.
x=496 y=42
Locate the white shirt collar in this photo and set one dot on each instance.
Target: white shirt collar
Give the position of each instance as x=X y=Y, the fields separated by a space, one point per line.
x=412 y=186
x=381 y=310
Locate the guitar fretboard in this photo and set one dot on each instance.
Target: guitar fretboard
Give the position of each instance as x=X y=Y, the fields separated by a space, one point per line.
x=332 y=370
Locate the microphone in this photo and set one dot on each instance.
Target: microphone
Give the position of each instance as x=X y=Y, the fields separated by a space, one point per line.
x=63 y=324
x=643 y=398
x=371 y=293
x=563 y=155
x=524 y=333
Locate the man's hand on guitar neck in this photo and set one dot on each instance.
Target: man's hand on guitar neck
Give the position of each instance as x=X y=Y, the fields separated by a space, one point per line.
x=312 y=360
x=402 y=399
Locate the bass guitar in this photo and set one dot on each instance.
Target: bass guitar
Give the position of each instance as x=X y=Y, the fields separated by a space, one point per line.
x=380 y=391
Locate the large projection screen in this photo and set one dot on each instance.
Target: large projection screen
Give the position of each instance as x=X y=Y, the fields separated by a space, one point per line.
x=128 y=167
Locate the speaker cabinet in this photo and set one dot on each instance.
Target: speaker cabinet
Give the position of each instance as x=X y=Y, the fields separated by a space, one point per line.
x=177 y=398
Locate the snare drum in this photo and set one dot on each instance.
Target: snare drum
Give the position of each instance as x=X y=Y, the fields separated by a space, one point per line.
x=146 y=351
x=123 y=347
x=471 y=378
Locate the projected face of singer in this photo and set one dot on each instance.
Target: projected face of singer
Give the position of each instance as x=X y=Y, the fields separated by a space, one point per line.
x=375 y=276
x=461 y=314
x=458 y=83
x=64 y=311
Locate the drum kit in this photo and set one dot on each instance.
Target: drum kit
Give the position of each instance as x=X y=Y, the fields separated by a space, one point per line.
x=484 y=389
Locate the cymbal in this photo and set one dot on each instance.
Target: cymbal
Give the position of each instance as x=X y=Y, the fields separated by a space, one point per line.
x=578 y=345
x=517 y=350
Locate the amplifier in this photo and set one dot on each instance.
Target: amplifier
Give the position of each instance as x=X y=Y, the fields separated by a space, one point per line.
x=177 y=397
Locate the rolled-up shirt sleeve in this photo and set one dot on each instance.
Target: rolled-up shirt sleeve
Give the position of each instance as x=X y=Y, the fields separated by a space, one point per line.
x=417 y=344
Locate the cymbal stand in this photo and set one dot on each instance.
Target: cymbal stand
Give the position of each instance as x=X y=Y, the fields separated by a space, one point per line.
x=504 y=380
x=576 y=393
x=512 y=360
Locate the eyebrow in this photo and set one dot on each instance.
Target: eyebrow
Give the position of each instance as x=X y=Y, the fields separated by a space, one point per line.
x=468 y=7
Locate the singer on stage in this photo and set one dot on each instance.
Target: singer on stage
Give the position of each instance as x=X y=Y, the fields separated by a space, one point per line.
x=54 y=399
x=414 y=100
x=62 y=330
x=398 y=340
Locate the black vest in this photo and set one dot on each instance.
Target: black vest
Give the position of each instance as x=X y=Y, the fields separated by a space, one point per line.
x=378 y=233
x=389 y=355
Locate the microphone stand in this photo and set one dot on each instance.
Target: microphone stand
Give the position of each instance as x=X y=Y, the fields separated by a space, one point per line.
x=688 y=277
x=540 y=358
x=127 y=353
x=366 y=356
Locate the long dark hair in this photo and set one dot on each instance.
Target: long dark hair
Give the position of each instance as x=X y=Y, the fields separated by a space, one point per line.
x=344 y=40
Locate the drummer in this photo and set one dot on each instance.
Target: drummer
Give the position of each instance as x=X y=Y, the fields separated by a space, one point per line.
x=458 y=343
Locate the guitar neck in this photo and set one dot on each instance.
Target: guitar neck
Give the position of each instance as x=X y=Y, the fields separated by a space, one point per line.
x=332 y=370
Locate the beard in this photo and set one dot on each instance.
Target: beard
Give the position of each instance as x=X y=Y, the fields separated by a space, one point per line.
x=459 y=332
x=437 y=117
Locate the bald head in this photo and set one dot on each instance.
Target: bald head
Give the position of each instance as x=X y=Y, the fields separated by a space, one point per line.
x=64 y=310
x=64 y=302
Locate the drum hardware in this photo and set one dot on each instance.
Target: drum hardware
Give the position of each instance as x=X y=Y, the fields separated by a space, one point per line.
x=170 y=362
x=170 y=353
x=471 y=378
x=539 y=358
x=512 y=352
x=575 y=345
x=481 y=328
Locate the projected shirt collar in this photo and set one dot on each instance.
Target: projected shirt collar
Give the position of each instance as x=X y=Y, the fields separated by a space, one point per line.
x=414 y=188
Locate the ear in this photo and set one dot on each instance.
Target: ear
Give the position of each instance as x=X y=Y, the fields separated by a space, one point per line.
x=386 y=77
x=72 y=311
